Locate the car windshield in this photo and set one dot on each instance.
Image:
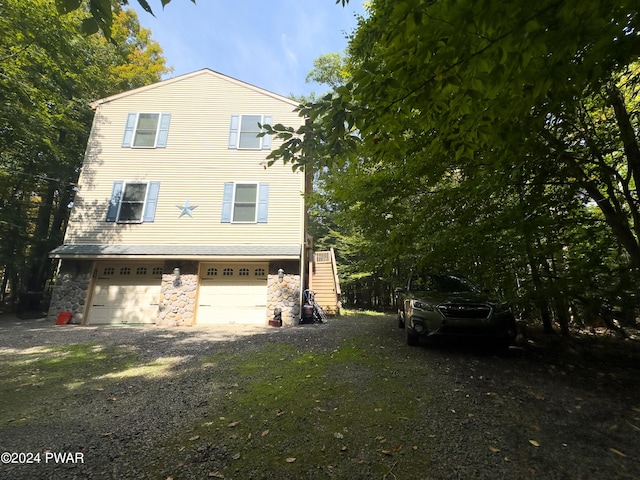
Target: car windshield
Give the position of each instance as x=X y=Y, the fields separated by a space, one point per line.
x=442 y=284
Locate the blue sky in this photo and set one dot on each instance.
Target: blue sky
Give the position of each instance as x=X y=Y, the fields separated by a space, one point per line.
x=270 y=44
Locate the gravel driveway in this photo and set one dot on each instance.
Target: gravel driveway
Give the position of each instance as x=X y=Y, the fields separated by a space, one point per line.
x=530 y=413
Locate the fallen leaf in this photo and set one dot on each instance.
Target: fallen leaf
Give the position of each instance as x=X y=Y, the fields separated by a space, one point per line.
x=216 y=475
x=387 y=452
x=617 y=452
x=195 y=437
x=494 y=449
x=398 y=447
x=112 y=399
x=291 y=459
x=99 y=389
x=343 y=448
x=534 y=443
x=233 y=424
x=633 y=426
x=236 y=456
x=265 y=433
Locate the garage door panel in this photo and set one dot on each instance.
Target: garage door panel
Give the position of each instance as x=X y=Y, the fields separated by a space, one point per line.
x=233 y=299
x=130 y=298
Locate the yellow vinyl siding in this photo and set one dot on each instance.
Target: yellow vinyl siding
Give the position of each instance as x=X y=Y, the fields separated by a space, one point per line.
x=194 y=165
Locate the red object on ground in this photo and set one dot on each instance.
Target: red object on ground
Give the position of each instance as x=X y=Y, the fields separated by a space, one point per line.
x=63 y=318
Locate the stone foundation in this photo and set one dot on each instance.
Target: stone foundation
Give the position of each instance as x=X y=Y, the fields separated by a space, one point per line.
x=70 y=290
x=177 y=300
x=284 y=295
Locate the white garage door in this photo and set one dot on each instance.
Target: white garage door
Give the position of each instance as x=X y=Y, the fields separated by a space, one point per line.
x=233 y=293
x=125 y=293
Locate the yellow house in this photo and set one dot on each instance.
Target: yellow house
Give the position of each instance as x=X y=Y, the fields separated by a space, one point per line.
x=177 y=219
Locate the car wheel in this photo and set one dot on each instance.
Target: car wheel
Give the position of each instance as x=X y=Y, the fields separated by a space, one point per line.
x=410 y=337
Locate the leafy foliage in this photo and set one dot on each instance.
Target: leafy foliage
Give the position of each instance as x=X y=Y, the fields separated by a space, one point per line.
x=102 y=13
x=496 y=139
x=49 y=73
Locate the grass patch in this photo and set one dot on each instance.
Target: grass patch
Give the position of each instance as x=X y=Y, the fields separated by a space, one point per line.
x=310 y=414
x=34 y=381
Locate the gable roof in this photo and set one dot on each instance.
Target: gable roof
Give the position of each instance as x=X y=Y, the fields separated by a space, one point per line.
x=180 y=78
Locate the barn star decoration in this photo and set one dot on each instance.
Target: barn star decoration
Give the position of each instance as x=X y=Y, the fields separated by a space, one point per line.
x=186 y=209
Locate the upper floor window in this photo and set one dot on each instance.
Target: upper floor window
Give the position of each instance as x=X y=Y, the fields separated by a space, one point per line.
x=244 y=130
x=245 y=202
x=133 y=202
x=146 y=130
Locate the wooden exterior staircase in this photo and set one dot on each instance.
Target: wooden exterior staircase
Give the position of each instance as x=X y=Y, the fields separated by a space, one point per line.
x=324 y=281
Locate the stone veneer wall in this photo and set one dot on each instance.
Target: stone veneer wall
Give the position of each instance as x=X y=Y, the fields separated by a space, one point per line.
x=177 y=300
x=284 y=295
x=70 y=290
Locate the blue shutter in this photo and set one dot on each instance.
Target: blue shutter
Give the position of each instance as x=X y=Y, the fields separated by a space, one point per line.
x=163 y=131
x=233 y=131
x=266 y=140
x=263 y=202
x=129 y=130
x=227 y=200
x=114 y=203
x=152 y=201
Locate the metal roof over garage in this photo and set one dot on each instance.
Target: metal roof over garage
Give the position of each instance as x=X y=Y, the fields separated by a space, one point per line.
x=182 y=251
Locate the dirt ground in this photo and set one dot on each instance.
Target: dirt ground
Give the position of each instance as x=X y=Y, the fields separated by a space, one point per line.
x=347 y=399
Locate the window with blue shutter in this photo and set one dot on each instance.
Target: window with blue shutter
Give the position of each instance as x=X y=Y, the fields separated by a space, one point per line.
x=114 y=202
x=146 y=130
x=233 y=131
x=152 y=200
x=245 y=203
x=133 y=202
x=263 y=202
x=266 y=140
x=163 y=130
x=244 y=131
x=227 y=202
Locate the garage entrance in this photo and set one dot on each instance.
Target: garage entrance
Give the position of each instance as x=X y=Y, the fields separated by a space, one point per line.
x=125 y=293
x=232 y=293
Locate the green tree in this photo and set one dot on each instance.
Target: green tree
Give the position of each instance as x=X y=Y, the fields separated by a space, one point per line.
x=49 y=73
x=489 y=137
x=101 y=13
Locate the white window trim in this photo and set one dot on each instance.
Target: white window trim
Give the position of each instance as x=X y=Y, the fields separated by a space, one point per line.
x=242 y=115
x=233 y=202
x=135 y=130
x=144 y=202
